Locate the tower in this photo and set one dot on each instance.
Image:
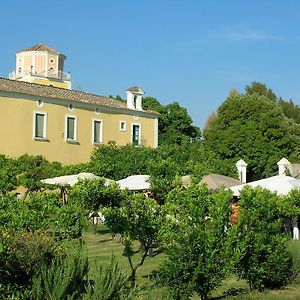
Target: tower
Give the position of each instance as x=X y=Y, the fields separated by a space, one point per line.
x=41 y=64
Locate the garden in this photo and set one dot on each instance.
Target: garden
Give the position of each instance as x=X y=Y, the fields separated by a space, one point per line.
x=185 y=247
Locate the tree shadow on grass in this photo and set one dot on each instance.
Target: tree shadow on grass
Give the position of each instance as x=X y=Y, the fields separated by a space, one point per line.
x=105 y=240
x=158 y=251
x=102 y=230
x=232 y=292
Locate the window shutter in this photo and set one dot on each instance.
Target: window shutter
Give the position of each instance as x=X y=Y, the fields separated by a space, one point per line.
x=71 y=128
x=39 y=125
x=97 y=127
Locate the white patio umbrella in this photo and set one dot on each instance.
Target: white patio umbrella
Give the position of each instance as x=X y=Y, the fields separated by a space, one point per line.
x=135 y=183
x=280 y=184
x=69 y=179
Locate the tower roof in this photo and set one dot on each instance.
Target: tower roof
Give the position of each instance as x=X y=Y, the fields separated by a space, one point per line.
x=135 y=89
x=43 y=48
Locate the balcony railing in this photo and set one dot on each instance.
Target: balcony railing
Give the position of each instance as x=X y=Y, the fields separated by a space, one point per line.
x=47 y=73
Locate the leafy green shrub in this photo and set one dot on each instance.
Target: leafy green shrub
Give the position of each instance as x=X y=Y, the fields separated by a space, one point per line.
x=93 y=194
x=66 y=278
x=30 y=214
x=21 y=253
x=198 y=237
x=262 y=256
x=8 y=178
x=109 y=283
x=69 y=221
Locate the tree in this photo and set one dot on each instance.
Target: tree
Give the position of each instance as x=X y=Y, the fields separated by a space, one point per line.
x=252 y=127
x=197 y=234
x=94 y=194
x=152 y=103
x=176 y=126
x=260 y=89
x=31 y=169
x=141 y=221
x=262 y=256
x=115 y=162
x=290 y=110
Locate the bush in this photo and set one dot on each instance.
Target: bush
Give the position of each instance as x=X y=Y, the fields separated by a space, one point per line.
x=30 y=214
x=262 y=256
x=66 y=278
x=21 y=253
x=70 y=221
x=93 y=194
x=109 y=283
x=198 y=237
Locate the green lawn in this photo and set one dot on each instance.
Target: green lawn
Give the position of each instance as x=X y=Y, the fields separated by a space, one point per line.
x=101 y=246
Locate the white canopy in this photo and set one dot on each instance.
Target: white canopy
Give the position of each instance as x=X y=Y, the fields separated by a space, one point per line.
x=281 y=184
x=135 y=183
x=70 y=179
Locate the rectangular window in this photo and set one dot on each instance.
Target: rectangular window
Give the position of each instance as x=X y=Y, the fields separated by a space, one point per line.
x=97 y=131
x=122 y=125
x=136 y=134
x=71 y=128
x=40 y=125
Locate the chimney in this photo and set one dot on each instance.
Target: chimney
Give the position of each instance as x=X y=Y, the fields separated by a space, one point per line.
x=134 y=98
x=282 y=166
x=242 y=170
x=130 y=100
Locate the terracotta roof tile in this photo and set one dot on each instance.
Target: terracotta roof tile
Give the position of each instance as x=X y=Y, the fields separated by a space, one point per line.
x=39 y=90
x=41 y=47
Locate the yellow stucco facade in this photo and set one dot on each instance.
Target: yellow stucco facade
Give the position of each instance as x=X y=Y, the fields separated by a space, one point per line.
x=41 y=115
x=17 y=127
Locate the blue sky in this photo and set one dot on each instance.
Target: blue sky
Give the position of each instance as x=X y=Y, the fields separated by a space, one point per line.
x=190 y=51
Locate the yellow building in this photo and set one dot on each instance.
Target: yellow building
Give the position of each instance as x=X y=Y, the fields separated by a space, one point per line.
x=41 y=115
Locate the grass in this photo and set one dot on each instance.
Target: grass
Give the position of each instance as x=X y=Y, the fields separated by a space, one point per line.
x=101 y=246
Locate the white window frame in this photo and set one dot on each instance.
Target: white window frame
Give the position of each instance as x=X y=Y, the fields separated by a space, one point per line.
x=125 y=126
x=93 y=131
x=34 y=126
x=140 y=133
x=75 y=140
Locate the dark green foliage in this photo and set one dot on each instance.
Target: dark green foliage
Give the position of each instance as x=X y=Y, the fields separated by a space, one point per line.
x=175 y=126
x=151 y=103
x=31 y=169
x=263 y=259
x=198 y=237
x=252 y=127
